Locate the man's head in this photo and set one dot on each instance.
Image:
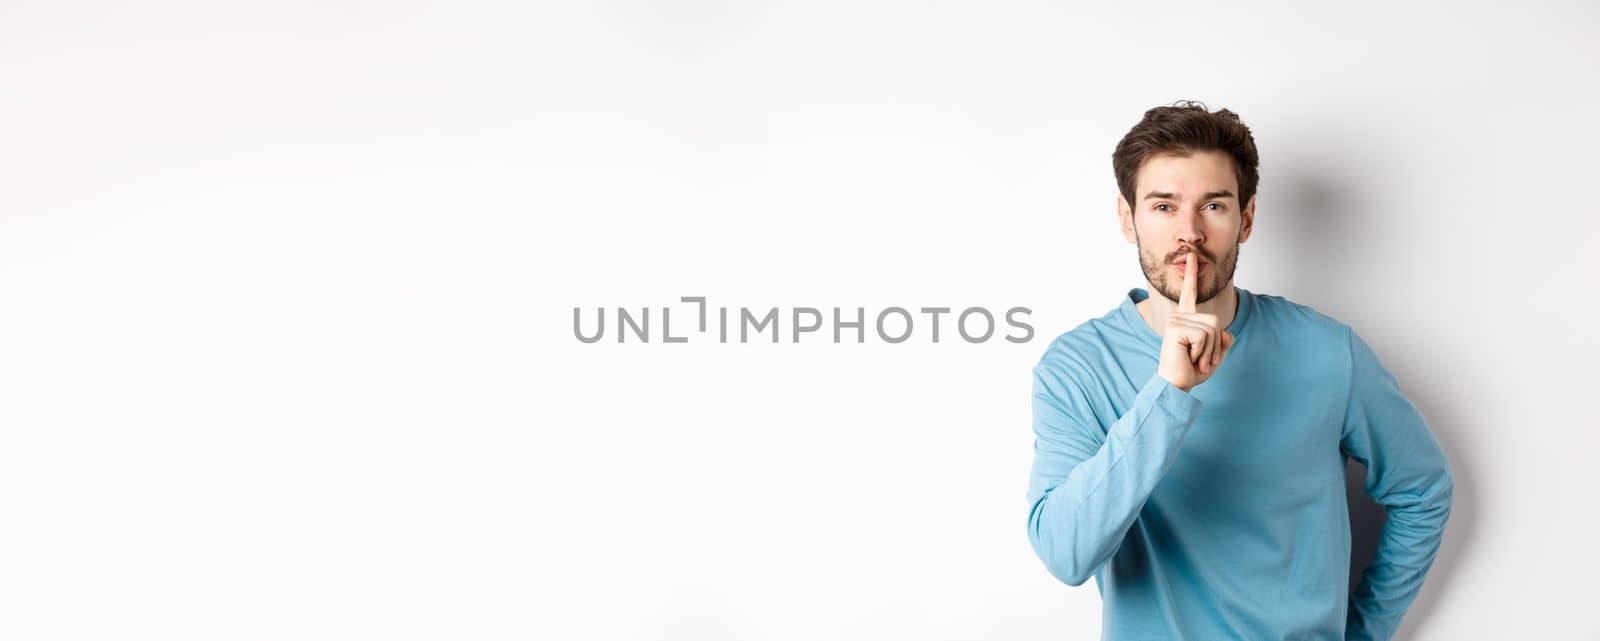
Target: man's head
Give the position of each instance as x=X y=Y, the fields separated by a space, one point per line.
x=1187 y=178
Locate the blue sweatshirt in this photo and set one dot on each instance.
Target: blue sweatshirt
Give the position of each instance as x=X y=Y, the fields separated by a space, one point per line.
x=1220 y=513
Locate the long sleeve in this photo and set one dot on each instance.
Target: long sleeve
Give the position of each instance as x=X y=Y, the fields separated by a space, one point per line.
x=1086 y=488
x=1409 y=475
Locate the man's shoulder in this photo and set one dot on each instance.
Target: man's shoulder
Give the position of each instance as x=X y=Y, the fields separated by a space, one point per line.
x=1282 y=311
x=1085 y=343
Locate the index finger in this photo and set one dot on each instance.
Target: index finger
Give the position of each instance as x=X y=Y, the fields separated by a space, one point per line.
x=1186 y=298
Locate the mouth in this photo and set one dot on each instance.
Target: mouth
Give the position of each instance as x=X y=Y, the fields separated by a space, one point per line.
x=1182 y=262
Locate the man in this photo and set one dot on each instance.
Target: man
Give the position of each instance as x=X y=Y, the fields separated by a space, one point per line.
x=1191 y=444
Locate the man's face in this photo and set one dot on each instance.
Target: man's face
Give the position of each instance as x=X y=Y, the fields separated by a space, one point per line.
x=1187 y=205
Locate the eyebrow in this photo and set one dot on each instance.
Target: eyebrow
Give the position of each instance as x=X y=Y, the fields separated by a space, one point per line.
x=1206 y=196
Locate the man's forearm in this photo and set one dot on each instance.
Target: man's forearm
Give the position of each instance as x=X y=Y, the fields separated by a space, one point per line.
x=1077 y=525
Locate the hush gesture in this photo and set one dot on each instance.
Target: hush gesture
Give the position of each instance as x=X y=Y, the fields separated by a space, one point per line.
x=1192 y=347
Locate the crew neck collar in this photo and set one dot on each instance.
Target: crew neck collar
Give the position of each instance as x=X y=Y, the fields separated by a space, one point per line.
x=1131 y=316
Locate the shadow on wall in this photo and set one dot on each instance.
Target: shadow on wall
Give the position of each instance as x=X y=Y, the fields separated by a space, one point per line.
x=1322 y=226
x=1366 y=521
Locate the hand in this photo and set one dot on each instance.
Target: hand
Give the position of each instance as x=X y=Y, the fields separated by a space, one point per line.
x=1192 y=347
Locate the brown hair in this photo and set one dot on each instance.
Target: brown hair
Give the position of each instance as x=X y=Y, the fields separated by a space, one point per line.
x=1182 y=128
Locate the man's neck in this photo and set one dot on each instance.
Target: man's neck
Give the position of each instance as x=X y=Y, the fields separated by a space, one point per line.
x=1156 y=308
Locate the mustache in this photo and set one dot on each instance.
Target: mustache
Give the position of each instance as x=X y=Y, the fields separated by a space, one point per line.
x=1181 y=253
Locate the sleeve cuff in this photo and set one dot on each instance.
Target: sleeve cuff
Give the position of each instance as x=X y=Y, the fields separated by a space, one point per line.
x=1171 y=399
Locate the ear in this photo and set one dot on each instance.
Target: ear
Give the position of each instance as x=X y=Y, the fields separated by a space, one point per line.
x=1248 y=219
x=1125 y=215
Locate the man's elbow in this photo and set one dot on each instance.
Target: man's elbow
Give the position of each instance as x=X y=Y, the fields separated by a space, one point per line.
x=1060 y=560
x=1447 y=490
x=1429 y=505
x=1070 y=576
x=1441 y=489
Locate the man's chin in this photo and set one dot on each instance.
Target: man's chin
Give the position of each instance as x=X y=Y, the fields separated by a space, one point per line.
x=1171 y=295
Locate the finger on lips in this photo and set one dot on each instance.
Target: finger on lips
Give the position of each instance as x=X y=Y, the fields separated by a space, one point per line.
x=1186 y=298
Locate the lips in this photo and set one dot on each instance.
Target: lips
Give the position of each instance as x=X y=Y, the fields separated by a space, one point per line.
x=1180 y=263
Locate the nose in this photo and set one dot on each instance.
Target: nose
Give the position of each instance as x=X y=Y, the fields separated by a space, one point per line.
x=1190 y=229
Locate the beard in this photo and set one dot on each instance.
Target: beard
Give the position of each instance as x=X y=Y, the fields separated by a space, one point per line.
x=1208 y=283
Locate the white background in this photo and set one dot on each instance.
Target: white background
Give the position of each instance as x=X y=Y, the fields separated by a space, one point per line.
x=286 y=298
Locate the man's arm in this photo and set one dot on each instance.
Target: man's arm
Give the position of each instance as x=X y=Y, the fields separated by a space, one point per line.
x=1084 y=493
x=1408 y=474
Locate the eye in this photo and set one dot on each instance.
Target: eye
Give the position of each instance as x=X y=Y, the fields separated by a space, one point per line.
x=1220 y=206
x=1159 y=206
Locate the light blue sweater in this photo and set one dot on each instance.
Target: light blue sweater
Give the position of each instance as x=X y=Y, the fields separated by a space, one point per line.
x=1220 y=513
